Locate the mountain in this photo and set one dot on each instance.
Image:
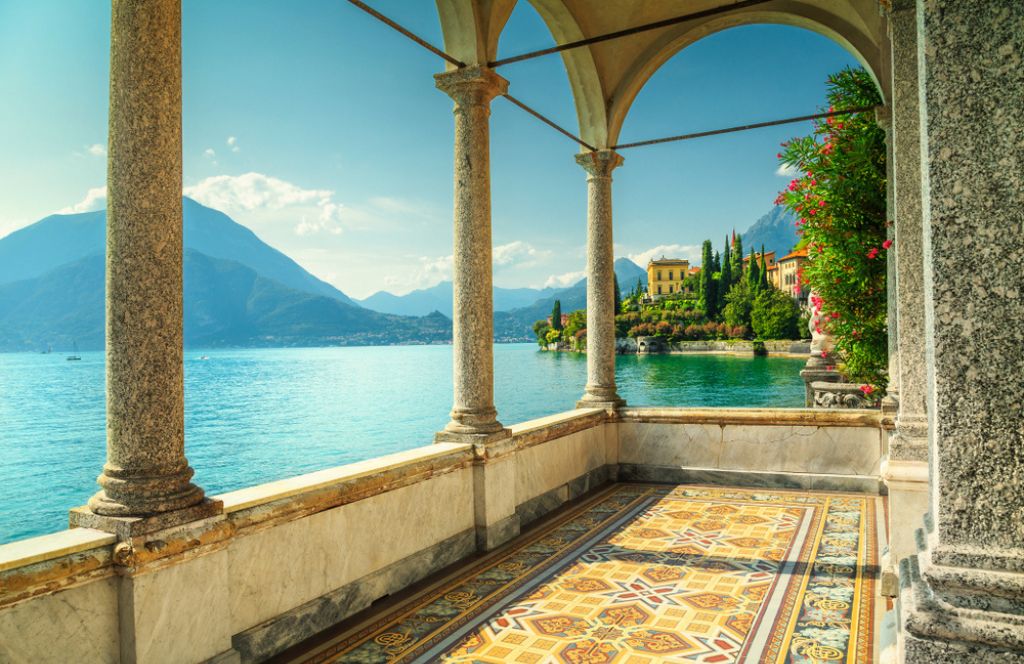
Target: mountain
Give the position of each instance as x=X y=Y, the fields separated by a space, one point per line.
x=439 y=298
x=226 y=304
x=775 y=230
x=238 y=291
x=60 y=239
x=517 y=324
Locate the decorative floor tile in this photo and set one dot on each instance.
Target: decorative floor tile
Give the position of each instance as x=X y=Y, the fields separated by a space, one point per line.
x=644 y=574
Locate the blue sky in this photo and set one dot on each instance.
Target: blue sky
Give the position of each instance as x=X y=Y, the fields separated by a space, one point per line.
x=322 y=131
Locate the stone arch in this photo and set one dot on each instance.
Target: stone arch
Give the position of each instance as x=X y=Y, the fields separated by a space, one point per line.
x=856 y=41
x=471 y=28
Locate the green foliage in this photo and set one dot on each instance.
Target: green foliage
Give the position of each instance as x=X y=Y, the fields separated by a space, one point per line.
x=541 y=329
x=553 y=336
x=753 y=271
x=774 y=315
x=764 y=270
x=840 y=199
x=708 y=296
x=737 y=260
x=575 y=327
x=739 y=301
x=725 y=281
x=556 y=316
x=618 y=296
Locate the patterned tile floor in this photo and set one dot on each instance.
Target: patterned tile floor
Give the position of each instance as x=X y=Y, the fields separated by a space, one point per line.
x=639 y=574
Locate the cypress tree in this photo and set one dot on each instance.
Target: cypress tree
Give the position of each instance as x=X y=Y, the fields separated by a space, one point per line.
x=764 y=269
x=753 y=271
x=618 y=296
x=717 y=262
x=707 y=281
x=639 y=287
x=725 y=282
x=556 y=316
x=737 y=257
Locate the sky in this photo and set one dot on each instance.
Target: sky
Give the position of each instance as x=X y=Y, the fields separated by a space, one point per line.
x=321 y=130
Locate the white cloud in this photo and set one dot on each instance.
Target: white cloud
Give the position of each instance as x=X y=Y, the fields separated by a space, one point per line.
x=209 y=153
x=232 y=143
x=690 y=252
x=97 y=150
x=95 y=199
x=787 y=171
x=563 y=280
x=520 y=253
x=315 y=209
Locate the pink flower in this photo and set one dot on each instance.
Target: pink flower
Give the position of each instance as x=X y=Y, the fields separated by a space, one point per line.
x=887 y=244
x=866 y=389
x=814 y=183
x=835 y=314
x=812 y=212
x=873 y=252
x=810 y=175
x=821 y=204
x=824 y=353
x=831 y=367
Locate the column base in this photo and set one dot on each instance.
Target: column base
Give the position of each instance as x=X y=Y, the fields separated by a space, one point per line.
x=126 y=527
x=909 y=439
x=907 y=485
x=601 y=397
x=486 y=438
x=960 y=613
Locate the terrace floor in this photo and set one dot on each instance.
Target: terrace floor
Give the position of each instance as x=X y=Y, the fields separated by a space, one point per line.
x=639 y=573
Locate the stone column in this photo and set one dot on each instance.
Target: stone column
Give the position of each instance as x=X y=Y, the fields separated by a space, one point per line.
x=473 y=413
x=146 y=472
x=962 y=596
x=883 y=116
x=600 y=390
x=905 y=470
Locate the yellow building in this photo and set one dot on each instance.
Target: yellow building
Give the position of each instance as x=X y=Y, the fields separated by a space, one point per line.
x=789 y=273
x=665 y=276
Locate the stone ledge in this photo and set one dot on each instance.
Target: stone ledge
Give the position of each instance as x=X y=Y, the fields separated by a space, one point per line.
x=746 y=478
x=544 y=429
x=760 y=416
x=48 y=547
x=352 y=481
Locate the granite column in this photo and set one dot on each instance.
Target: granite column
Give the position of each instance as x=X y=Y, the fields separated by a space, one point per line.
x=600 y=389
x=473 y=413
x=146 y=471
x=962 y=596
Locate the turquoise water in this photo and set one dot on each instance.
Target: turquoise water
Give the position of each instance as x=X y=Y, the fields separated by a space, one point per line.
x=253 y=416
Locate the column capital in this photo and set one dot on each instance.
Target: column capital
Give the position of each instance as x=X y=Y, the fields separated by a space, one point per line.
x=600 y=163
x=471 y=86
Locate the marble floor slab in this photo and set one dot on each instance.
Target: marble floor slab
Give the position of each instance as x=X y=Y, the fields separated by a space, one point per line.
x=640 y=574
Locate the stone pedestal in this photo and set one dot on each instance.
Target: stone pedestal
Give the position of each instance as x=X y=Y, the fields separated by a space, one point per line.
x=907 y=486
x=600 y=390
x=962 y=596
x=821 y=362
x=473 y=414
x=146 y=472
x=494 y=494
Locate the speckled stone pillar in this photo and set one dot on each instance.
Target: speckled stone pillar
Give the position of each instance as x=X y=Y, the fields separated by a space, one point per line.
x=146 y=471
x=883 y=115
x=911 y=439
x=962 y=596
x=905 y=470
x=473 y=413
x=600 y=390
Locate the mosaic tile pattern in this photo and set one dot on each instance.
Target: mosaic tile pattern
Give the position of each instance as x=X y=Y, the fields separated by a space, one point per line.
x=643 y=574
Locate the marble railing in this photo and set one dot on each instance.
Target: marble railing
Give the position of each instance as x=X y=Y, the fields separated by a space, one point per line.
x=290 y=558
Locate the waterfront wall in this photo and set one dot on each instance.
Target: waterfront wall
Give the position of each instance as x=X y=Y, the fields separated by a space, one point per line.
x=291 y=558
x=628 y=346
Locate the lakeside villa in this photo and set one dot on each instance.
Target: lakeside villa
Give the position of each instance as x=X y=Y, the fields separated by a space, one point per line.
x=613 y=532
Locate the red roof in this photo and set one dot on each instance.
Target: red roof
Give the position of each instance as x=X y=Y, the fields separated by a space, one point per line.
x=799 y=253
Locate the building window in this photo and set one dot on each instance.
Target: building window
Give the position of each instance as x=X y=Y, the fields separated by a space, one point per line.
x=659 y=277
x=670 y=288
x=670 y=276
x=659 y=288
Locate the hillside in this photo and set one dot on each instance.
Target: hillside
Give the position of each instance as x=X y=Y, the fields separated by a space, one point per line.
x=775 y=230
x=439 y=298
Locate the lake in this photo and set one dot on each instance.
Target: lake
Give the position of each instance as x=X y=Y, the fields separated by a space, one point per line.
x=256 y=415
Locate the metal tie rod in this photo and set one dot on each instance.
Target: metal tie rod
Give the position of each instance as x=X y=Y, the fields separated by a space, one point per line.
x=729 y=130
x=416 y=38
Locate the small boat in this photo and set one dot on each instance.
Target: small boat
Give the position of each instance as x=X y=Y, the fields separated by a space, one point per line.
x=204 y=357
x=74 y=354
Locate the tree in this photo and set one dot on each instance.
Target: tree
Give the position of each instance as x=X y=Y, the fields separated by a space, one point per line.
x=556 y=316
x=737 y=258
x=764 y=269
x=618 y=296
x=716 y=262
x=541 y=329
x=738 y=303
x=638 y=293
x=840 y=200
x=774 y=315
x=707 y=280
x=753 y=272
x=725 y=281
